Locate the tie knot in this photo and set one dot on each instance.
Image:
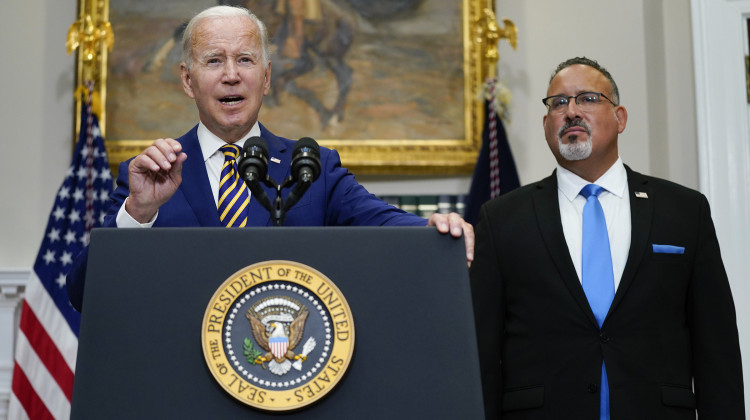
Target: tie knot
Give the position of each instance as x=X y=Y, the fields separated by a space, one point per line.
x=231 y=151
x=591 y=190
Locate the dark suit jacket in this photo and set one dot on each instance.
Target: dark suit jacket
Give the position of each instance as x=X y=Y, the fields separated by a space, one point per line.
x=334 y=199
x=671 y=325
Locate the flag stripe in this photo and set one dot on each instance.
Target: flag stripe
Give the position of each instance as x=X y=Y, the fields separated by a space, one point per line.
x=27 y=398
x=15 y=409
x=45 y=348
x=42 y=384
x=54 y=323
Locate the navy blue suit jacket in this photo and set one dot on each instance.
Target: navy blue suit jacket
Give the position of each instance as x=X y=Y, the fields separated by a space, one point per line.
x=334 y=199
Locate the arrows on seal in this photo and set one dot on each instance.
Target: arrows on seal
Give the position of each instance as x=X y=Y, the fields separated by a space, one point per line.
x=306 y=349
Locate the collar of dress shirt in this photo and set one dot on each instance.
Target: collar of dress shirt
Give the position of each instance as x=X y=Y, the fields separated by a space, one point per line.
x=210 y=142
x=615 y=181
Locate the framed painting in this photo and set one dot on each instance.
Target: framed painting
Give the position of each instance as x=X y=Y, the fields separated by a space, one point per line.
x=392 y=85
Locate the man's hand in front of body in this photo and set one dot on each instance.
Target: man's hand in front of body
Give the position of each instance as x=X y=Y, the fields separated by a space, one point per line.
x=154 y=176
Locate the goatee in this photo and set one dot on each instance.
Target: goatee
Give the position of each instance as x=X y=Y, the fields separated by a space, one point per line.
x=575 y=149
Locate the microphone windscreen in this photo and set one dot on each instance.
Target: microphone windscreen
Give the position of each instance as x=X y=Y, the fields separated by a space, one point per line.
x=254 y=159
x=306 y=159
x=309 y=143
x=256 y=142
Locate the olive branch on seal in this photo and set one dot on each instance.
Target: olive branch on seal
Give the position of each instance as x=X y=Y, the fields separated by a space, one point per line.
x=250 y=352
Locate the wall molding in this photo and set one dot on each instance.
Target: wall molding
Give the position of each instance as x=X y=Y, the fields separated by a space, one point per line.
x=13 y=282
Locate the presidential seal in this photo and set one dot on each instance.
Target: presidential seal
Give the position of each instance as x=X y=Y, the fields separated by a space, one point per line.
x=278 y=335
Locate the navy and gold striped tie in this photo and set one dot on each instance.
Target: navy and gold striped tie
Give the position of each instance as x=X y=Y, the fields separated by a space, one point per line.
x=233 y=195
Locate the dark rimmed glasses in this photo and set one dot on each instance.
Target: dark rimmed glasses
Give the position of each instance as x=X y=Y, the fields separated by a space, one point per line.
x=586 y=101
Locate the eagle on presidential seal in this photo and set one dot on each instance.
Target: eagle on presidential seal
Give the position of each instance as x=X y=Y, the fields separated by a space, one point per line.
x=279 y=334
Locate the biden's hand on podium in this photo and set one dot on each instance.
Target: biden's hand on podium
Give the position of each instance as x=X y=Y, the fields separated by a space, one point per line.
x=455 y=225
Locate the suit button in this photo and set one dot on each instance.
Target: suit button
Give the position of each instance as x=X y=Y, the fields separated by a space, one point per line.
x=603 y=337
x=593 y=388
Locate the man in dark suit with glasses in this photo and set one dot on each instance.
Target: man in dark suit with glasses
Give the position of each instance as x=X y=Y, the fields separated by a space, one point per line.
x=600 y=292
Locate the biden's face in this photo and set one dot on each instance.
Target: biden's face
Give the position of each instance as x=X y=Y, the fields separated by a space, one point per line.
x=228 y=77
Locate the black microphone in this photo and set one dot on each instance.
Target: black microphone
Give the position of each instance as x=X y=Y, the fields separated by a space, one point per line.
x=253 y=164
x=305 y=161
x=253 y=168
x=305 y=169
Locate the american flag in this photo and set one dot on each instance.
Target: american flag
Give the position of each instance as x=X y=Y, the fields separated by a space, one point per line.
x=495 y=172
x=47 y=342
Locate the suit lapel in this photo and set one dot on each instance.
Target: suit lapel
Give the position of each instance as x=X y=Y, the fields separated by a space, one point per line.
x=547 y=209
x=641 y=213
x=277 y=149
x=195 y=186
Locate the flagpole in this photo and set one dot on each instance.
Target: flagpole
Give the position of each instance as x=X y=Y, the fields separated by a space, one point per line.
x=489 y=33
x=92 y=36
x=495 y=172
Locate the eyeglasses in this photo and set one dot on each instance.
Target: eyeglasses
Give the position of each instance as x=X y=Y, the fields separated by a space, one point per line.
x=586 y=101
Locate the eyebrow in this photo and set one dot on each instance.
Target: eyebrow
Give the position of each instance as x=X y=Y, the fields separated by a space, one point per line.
x=578 y=92
x=213 y=54
x=252 y=54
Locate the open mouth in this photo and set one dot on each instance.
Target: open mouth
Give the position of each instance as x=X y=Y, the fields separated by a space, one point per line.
x=231 y=100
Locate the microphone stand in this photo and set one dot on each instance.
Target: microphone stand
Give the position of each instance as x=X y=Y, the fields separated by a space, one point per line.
x=279 y=207
x=305 y=165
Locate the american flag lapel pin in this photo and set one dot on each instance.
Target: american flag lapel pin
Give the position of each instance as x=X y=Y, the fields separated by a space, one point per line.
x=641 y=194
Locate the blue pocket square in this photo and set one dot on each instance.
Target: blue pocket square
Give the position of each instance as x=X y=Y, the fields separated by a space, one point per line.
x=668 y=249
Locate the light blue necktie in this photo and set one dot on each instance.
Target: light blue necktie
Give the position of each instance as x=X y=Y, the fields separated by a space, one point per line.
x=596 y=271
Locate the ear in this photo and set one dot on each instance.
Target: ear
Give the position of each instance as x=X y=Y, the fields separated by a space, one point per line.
x=267 y=80
x=622 y=118
x=185 y=77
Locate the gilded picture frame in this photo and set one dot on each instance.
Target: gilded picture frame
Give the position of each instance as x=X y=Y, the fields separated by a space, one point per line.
x=446 y=112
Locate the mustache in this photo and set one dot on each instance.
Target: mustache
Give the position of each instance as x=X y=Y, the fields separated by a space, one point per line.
x=574 y=123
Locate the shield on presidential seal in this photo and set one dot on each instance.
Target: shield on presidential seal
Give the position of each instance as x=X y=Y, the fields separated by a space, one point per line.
x=279 y=346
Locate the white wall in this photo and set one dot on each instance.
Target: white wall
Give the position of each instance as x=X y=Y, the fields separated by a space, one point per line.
x=36 y=81
x=640 y=42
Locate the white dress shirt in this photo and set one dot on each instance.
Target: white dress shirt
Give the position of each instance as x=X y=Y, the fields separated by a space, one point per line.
x=615 y=201
x=214 y=160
